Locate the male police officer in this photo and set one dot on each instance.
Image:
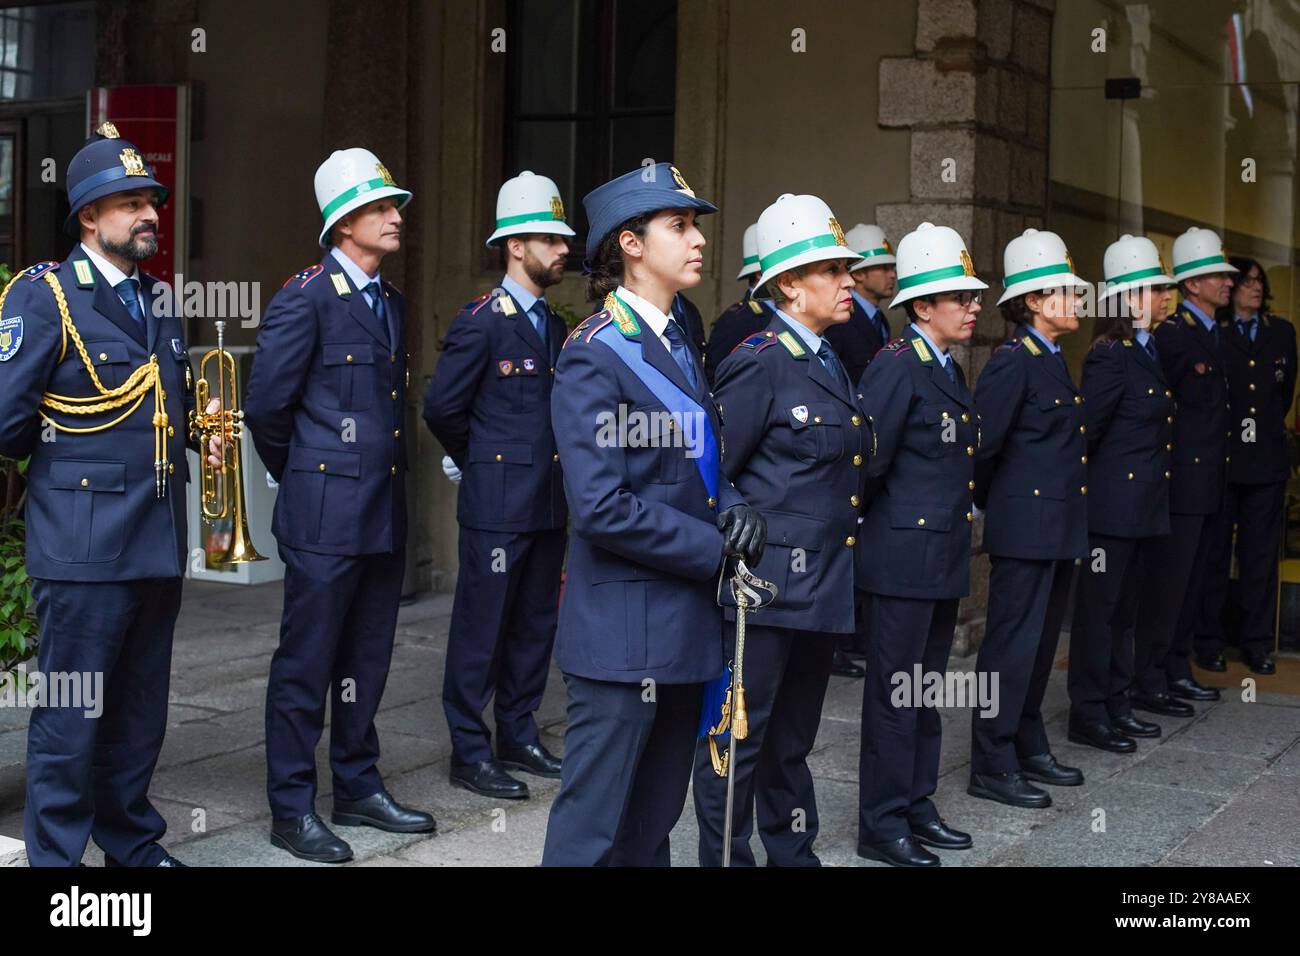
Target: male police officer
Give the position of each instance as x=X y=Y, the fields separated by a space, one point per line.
x=743 y=318
x=489 y=403
x=106 y=532
x=325 y=408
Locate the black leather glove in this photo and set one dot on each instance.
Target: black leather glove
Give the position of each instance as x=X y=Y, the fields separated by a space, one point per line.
x=744 y=533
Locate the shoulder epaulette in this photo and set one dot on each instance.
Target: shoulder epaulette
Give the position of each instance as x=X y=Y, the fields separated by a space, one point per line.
x=33 y=273
x=589 y=326
x=1011 y=345
x=897 y=346
x=302 y=278
x=1108 y=343
x=758 y=341
x=474 y=305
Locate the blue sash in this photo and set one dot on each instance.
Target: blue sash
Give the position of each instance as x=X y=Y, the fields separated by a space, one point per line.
x=678 y=403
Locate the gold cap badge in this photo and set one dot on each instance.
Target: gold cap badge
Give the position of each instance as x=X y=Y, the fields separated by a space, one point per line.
x=557 y=208
x=1069 y=260
x=680 y=180
x=888 y=248
x=108 y=130
x=967 y=265
x=384 y=174
x=837 y=231
x=132 y=162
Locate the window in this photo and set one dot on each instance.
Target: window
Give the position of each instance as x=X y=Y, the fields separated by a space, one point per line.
x=591 y=91
x=46 y=51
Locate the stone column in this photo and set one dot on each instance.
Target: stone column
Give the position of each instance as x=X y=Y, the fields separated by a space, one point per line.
x=975 y=97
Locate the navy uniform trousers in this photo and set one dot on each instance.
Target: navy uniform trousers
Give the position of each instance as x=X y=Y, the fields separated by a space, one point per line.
x=89 y=777
x=502 y=630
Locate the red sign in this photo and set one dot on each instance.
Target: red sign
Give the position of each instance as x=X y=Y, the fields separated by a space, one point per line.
x=154 y=118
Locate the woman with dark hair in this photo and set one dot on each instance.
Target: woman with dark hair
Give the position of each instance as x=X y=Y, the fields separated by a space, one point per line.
x=654 y=521
x=1259 y=356
x=1129 y=417
x=1031 y=479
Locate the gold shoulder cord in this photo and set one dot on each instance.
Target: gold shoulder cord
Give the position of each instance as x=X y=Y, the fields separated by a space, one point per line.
x=131 y=392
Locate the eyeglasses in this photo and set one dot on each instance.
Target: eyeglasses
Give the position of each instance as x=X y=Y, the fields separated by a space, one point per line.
x=963 y=299
x=1251 y=282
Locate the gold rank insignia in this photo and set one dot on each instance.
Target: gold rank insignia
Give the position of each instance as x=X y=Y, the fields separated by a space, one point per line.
x=507 y=304
x=967 y=265
x=680 y=180
x=132 y=162
x=340 y=283
x=1031 y=345
x=108 y=130
x=791 y=344
x=82 y=268
x=755 y=307
x=836 y=230
x=918 y=346
x=557 y=208
x=384 y=174
x=623 y=317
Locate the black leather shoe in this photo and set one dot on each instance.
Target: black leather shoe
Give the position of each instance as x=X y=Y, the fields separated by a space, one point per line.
x=382 y=812
x=532 y=758
x=1135 y=727
x=1102 y=736
x=167 y=860
x=841 y=666
x=1259 y=663
x=1207 y=663
x=308 y=838
x=904 y=851
x=488 y=778
x=939 y=834
x=1010 y=788
x=1164 y=704
x=1189 y=689
x=1043 y=768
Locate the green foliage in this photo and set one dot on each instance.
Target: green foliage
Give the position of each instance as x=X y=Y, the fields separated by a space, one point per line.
x=17 y=608
x=568 y=313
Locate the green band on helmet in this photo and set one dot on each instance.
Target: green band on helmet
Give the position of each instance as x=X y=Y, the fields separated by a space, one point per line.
x=748 y=260
x=1059 y=269
x=868 y=253
x=350 y=194
x=1131 y=276
x=816 y=242
x=947 y=272
x=546 y=216
x=1197 y=263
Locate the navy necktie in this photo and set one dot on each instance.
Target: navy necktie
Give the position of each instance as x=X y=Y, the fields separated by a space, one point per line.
x=950 y=367
x=128 y=290
x=1247 y=328
x=681 y=354
x=538 y=315
x=833 y=366
x=380 y=308
x=1150 y=347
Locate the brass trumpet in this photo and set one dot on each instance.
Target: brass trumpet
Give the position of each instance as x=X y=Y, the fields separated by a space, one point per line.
x=221 y=492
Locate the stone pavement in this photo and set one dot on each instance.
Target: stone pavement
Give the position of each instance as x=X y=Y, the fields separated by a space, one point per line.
x=1222 y=788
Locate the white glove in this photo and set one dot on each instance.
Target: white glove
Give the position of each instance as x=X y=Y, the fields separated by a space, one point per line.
x=450 y=470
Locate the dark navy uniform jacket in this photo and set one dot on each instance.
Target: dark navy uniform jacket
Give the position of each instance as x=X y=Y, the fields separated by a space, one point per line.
x=1129 y=413
x=795 y=445
x=1031 y=469
x=489 y=404
x=1193 y=367
x=93 y=513
x=858 y=340
x=645 y=553
x=1261 y=383
x=325 y=408
x=737 y=323
x=915 y=541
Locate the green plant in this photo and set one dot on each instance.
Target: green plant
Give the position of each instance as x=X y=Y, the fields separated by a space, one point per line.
x=18 y=628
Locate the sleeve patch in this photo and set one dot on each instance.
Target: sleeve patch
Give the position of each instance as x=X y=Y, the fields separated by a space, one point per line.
x=35 y=272
x=758 y=341
x=306 y=275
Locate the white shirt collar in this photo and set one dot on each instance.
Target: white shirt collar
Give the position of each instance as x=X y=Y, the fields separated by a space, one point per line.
x=942 y=356
x=110 y=272
x=354 y=271
x=657 y=320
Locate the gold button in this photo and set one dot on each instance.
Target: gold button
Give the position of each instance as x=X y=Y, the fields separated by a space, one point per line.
x=498 y=457
x=322 y=466
x=552 y=369
x=397 y=433
x=1168 y=394
x=1169 y=446
x=171 y=431
x=1196 y=461
x=1251 y=386
x=1151 y=391
x=103 y=356
x=1169 y=420
x=850 y=541
x=393 y=470
x=857 y=459
x=856 y=420
x=555 y=457
x=713 y=502
x=1251 y=363
x=1036 y=493
x=969 y=516
x=349 y=358
x=392 y=359
x=970 y=451
x=971 y=484
x=853 y=500
x=171 y=468
x=945 y=414
x=1083 y=490
x=1227 y=458
x=817 y=419
x=920 y=521
x=1130 y=476
x=1252 y=411
x=965 y=417
x=85 y=482
x=1083 y=459
x=1083 y=429
x=1077 y=400
x=1166 y=474
x=394 y=394
x=1057 y=401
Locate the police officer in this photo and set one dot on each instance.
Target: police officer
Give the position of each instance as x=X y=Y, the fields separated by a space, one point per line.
x=914 y=555
x=741 y=319
x=1258 y=351
x=1031 y=480
x=1190 y=355
x=325 y=408
x=1129 y=416
x=795 y=439
x=652 y=519
x=105 y=516
x=489 y=403
x=875 y=278
x=857 y=342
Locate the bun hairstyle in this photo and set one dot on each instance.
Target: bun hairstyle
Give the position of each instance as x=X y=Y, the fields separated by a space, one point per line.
x=1016 y=311
x=606 y=272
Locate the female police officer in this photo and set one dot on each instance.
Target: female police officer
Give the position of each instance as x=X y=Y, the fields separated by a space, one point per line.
x=1129 y=414
x=652 y=519
x=1031 y=479
x=794 y=439
x=915 y=555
